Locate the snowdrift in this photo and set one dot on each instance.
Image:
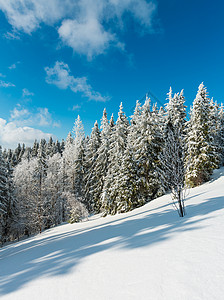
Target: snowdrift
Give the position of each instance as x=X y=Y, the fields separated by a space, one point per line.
x=149 y=253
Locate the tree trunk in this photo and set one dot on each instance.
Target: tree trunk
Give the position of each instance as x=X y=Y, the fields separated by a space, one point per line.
x=181 y=211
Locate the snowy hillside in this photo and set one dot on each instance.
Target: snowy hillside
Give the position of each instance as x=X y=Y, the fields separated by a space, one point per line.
x=149 y=253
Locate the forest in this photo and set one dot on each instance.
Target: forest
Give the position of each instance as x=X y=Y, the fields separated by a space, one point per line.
x=121 y=166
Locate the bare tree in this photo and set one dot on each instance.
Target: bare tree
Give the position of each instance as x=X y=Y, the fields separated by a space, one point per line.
x=173 y=169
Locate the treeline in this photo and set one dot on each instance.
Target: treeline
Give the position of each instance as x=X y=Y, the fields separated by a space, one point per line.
x=121 y=165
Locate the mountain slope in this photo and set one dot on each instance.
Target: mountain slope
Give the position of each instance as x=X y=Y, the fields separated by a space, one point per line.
x=149 y=253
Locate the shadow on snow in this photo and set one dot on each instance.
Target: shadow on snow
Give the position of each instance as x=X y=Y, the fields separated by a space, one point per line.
x=55 y=255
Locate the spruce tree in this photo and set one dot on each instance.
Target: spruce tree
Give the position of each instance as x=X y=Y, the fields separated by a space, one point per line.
x=4 y=196
x=101 y=163
x=221 y=133
x=127 y=184
x=40 y=172
x=172 y=161
x=118 y=146
x=79 y=173
x=147 y=147
x=174 y=120
x=91 y=183
x=201 y=156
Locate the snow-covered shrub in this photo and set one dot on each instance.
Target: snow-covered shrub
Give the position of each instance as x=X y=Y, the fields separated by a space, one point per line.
x=77 y=210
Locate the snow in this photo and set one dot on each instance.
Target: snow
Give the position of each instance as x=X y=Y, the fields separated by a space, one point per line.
x=149 y=253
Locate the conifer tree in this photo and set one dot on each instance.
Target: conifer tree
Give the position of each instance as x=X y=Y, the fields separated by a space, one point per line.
x=12 y=223
x=39 y=175
x=172 y=160
x=79 y=172
x=3 y=199
x=174 y=122
x=127 y=184
x=101 y=163
x=91 y=183
x=201 y=156
x=116 y=154
x=147 y=148
x=69 y=155
x=221 y=133
x=35 y=147
x=78 y=132
x=176 y=109
x=216 y=131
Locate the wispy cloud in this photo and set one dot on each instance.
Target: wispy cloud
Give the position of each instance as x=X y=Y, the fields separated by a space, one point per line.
x=12 y=35
x=76 y=107
x=19 y=113
x=60 y=76
x=43 y=117
x=27 y=93
x=1 y=75
x=6 y=84
x=89 y=27
x=13 y=66
x=11 y=134
x=40 y=117
x=56 y=124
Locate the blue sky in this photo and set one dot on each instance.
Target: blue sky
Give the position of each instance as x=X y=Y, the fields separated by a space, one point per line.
x=64 y=58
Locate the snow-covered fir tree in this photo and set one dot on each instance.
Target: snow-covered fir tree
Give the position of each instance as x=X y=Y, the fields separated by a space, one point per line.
x=40 y=172
x=78 y=132
x=176 y=109
x=147 y=147
x=12 y=219
x=4 y=197
x=79 y=172
x=69 y=155
x=174 y=122
x=221 y=133
x=102 y=160
x=127 y=197
x=216 y=130
x=35 y=147
x=172 y=161
x=202 y=156
x=118 y=144
x=91 y=183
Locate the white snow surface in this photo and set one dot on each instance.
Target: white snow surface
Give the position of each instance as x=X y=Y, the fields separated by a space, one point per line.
x=149 y=253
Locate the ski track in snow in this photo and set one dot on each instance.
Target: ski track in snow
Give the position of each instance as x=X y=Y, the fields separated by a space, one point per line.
x=149 y=253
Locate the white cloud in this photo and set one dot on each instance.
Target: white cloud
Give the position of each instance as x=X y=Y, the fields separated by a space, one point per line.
x=18 y=113
x=40 y=117
x=86 y=37
x=6 y=84
x=26 y=93
x=13 y=66
x=43 y=117
x=60 y=76
x=12 y=35
x=76 y=107
x=88 y=26
x=56 y=124
x=26 y=15
x=11 y=134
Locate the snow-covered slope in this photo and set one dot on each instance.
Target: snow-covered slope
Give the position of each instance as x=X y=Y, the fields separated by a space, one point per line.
x=149 y=253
